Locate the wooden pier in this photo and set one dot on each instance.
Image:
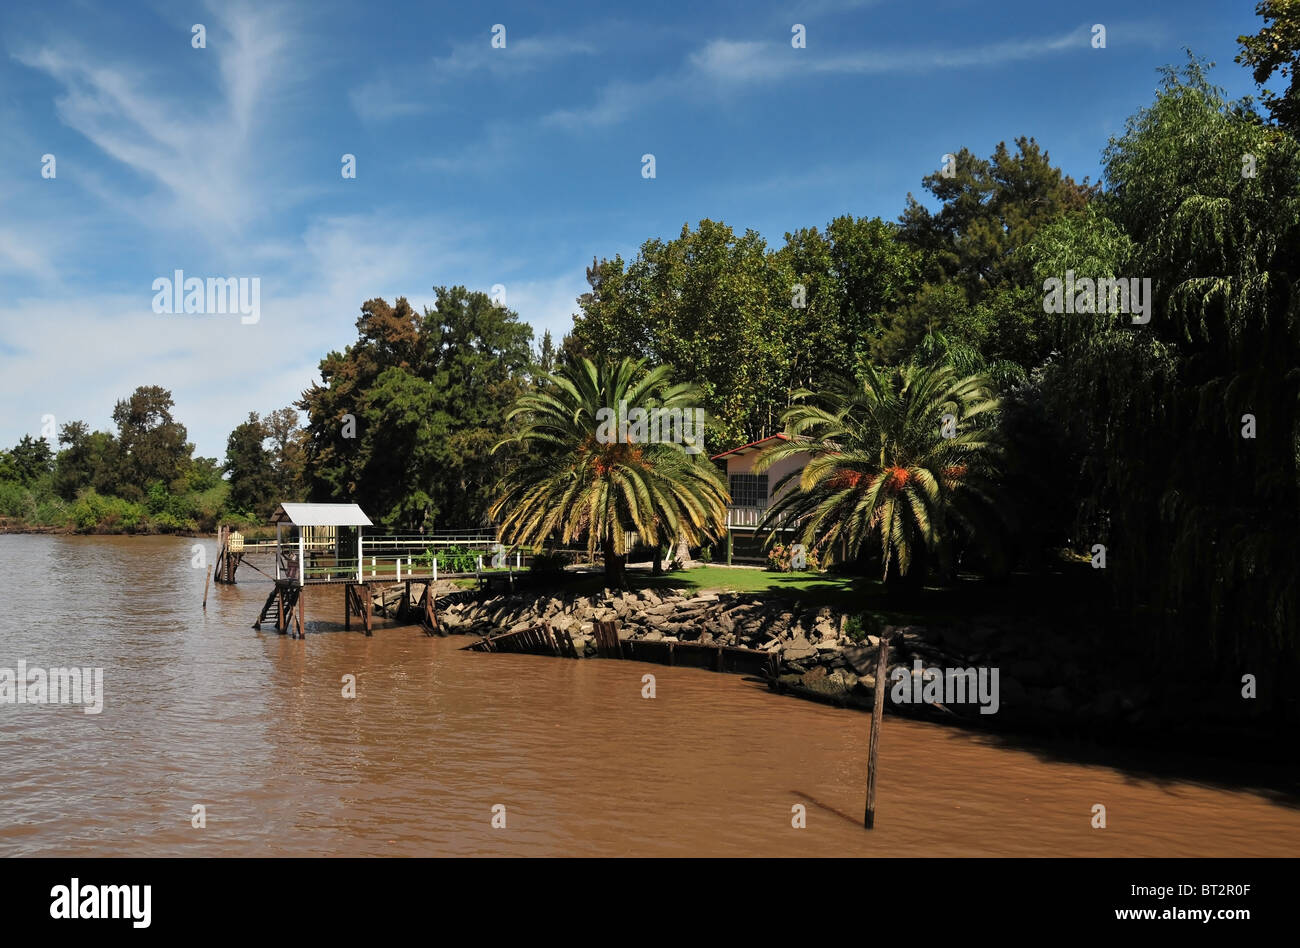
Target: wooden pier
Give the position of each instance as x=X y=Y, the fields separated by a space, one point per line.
x=325 y=545
x=284 y=605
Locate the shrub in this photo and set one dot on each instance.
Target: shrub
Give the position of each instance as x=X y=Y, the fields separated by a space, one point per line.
x=53 y=513
x=169 y=523
x=15 y=500
x=93 y=512
x=547 y=562
x=452 y=559
x=780 y=559
x=858 y=627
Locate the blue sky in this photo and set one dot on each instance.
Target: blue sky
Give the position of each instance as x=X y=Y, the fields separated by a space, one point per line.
x=477 y=165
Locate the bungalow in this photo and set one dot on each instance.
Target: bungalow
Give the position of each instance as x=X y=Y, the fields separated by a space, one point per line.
x=752 y=493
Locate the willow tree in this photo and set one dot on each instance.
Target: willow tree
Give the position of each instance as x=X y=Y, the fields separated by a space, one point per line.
x=588 y=473
x=901 y=457
x=1188 y=426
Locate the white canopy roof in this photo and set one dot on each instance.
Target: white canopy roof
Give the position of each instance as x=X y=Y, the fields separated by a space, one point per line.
x=321 y=515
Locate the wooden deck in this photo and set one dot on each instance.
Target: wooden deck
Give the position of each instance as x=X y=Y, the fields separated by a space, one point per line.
x=285 y=606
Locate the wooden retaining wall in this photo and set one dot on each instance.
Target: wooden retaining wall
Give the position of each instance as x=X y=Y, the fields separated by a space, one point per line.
x=543 y=640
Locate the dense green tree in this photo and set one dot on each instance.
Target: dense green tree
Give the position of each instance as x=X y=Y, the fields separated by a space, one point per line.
x=707 y=303
x=1275 y=50
x=287 y=449
x=854 y=276
x=406 y=418
x=248 y=465
x=204 y=474
x=546 y=354
x=571 y=484
x=31 y=459
x=989 y=209
x=1199 y=520
x=152 y=443
x=87 y=459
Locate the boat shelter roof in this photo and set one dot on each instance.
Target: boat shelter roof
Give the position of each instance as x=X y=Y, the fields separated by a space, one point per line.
x=321 y=515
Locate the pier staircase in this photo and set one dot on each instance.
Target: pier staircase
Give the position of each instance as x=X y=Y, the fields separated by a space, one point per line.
x=281 y=602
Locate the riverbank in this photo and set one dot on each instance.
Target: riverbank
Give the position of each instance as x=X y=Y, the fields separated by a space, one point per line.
x=1023 y=677
x=19 y=527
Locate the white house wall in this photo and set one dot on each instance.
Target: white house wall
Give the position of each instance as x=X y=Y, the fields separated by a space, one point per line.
x=744 y=464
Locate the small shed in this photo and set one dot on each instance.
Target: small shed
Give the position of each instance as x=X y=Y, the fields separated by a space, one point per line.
x=317 y=529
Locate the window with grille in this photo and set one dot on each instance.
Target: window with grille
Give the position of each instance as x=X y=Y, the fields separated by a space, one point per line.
x=749 y=490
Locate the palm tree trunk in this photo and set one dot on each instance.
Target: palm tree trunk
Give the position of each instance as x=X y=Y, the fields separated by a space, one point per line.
x=615 y=573
x=658 y=568
x=683 y=556
x=908 y=585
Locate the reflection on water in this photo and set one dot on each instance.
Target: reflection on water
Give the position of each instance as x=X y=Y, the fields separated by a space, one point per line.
x=201 y=709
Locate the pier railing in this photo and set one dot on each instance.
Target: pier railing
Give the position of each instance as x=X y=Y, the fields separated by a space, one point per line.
x=380 y=568
x=414 y=543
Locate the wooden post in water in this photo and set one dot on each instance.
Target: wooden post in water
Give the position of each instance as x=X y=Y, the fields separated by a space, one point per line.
x=207 y=576
x=877 y=717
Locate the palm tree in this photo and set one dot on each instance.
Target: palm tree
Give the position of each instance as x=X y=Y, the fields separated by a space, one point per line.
x=882 y=463
x=575 y=483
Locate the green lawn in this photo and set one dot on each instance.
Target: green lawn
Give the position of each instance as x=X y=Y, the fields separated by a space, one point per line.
x=813 y=588
x=1038 y=594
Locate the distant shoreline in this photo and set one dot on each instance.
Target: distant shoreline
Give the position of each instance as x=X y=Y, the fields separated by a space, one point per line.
x=35 y=529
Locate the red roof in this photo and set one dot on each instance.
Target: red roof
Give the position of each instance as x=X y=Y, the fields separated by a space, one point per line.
x=753 y=445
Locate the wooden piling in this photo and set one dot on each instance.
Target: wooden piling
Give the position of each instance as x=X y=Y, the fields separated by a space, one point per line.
x=877 y=717
x=430 y=618
x=297 y=613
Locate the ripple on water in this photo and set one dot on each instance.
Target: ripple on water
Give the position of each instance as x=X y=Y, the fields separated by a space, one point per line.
x=200 y=708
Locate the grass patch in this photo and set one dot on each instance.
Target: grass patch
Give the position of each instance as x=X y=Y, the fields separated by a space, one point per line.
x=819 y=589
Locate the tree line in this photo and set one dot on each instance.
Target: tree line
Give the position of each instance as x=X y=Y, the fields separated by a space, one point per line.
x=1171 y=444
x=145 y=477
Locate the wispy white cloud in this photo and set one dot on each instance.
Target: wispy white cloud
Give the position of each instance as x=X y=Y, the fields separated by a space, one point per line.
x=519 y=55
x=500 y=143
x=726 y=66
x=27 y=254
x=617 y=101
x=742 y=61
x=381 y=100
x=198 y=159
x=828 y=7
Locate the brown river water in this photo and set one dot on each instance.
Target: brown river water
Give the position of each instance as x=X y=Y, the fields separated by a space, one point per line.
x=201 y=709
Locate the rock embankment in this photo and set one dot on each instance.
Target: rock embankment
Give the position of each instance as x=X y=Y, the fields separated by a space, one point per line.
x=815 y=658
x=1046 y=682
